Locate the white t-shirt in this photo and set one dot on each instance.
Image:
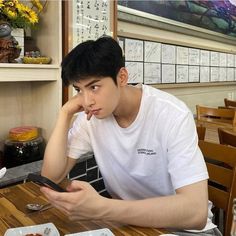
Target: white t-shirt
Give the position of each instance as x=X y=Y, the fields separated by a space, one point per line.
x=155 y=155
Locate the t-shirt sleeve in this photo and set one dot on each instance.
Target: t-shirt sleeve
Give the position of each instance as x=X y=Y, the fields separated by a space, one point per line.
x=186 y=164
x=78 y=138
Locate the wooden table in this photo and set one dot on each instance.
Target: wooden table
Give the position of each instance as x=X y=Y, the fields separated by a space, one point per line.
x=13 y=213
x=212 y=129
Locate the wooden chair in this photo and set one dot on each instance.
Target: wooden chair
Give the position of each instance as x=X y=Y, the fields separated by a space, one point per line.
x=230 y=103
x=201 y=131
x=216 y=115
x=221 y=164
x=226 y=137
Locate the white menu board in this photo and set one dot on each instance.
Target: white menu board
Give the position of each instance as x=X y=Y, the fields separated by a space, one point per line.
x=222 y=74
x=91 y=19
x=230 y=74
x=168 y=53
x=181 y=74
x=133 y=50
x=152 y=52
x=152 y=73
x=135 y=70
x=214 y=74
x=168 y=73
x=230 y=60
x=223 y=59
x=182 y=56
x=214 y=59
x=193 y=56
x=194 y=73
x=204 y=58
x=204 y=74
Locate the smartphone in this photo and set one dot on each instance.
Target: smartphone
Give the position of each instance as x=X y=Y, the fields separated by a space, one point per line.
x=44 y=181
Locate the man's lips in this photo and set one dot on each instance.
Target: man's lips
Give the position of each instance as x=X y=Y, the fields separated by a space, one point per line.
x=95 y=111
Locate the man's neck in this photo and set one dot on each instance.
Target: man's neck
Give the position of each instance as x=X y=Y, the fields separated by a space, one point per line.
x=129 y=106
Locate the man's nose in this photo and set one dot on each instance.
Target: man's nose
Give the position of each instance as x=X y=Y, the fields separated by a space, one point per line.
x=88 y=99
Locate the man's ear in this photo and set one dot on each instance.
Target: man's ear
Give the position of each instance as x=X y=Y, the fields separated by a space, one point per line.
x=122 y=77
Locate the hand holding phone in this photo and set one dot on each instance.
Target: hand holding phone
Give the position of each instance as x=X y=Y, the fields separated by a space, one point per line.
x=44 y=181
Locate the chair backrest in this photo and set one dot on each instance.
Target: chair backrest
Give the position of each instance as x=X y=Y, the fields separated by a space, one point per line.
x=201 y=131
x=221 y=164
x=222 y=115
x=230 y=103
x=227 y=137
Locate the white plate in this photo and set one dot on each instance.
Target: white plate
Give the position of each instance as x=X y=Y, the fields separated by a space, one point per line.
x=22 y=231
x=98 y=232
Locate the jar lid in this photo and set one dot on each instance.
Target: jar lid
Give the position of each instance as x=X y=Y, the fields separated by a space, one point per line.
x=23 y=133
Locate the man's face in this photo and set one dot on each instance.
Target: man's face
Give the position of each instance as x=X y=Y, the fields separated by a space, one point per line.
x=99 y=96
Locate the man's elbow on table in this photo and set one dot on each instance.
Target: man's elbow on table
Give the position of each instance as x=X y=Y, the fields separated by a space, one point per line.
x=199 y=218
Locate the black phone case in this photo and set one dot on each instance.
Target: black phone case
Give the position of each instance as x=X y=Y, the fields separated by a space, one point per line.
x=43 y=181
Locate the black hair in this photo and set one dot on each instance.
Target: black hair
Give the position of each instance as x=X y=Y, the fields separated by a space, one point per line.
x=100 y=58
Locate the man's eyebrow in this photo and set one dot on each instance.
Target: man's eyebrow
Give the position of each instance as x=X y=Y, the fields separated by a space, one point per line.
x=88 y=84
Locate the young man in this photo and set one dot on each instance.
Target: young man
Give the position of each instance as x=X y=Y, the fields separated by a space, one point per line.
x=144 y=141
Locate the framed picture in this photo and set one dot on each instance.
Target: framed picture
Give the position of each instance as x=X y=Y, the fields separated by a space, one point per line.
x=86 y=20
x=215 y=20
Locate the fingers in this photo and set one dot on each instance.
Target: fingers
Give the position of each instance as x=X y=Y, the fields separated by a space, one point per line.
x=89 y=115
x=75 y=186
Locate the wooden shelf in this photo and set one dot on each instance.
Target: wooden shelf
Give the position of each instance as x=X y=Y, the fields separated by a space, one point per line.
x=189 y=85
x=30 y=73
x=31 y=94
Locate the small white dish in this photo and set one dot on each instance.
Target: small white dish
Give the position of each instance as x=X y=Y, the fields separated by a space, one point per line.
x=98 y=232
x=22 y=231
x=3 y=172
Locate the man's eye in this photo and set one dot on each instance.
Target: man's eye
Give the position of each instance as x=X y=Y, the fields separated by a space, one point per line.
x=77 y=90
x=94 y=87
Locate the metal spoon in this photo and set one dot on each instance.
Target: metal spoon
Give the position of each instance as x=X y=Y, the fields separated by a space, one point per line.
x=3 y=172
x=38 y=207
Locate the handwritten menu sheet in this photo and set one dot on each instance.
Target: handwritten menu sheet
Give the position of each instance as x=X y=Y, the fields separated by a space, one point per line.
x=214 y=74
x=222 y=74
x=204 y=74
x=152 y=62
x=223 y=59
x=204 y=58
x=230 y=74
x=182 y=56
x=152 y=73
x=134 y=50
x=194 y=56
x=152 y=52
x=168 y=73
x=135 y=70
x=194 y=72
x=91 y=19
x=168 y=54
x=230 y=60
x=181 y=74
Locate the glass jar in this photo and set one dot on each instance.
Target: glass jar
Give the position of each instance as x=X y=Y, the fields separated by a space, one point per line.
x=21 y=152
x=24 y=145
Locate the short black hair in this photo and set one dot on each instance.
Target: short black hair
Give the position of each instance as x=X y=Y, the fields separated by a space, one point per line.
x=99 y=58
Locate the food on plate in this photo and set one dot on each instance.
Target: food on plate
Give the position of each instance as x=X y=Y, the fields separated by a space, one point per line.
x=34 y=234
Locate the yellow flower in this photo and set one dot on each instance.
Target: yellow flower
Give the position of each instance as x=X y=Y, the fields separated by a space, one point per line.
x=32 y=17
x=37 y=4
x=1 y=4
x=20 y=13
x=11 y=14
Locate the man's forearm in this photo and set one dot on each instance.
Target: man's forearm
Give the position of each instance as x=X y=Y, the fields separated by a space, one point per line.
x=180 y=211
x=55 y=160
